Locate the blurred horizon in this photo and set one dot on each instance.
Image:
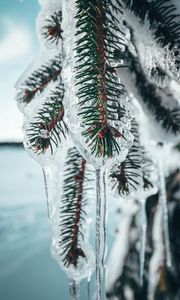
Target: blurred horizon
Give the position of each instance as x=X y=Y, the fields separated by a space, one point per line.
x=18 y=47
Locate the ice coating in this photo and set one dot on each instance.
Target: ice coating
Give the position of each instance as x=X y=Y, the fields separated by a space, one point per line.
x=74 y=288
x=54 y=185
x=151 y=129
x=44 y=58
x=86 y=264
x=46 y=132
x=156 y=57
x=48 y=25
x=52 y=162
x=83 y=267
x=159 y=63
x=136 y=176
x=71 y=101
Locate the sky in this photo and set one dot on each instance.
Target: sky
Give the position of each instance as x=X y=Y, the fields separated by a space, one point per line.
x=18 y=47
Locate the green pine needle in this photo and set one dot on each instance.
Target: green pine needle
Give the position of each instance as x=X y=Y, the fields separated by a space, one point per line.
x=99 y=90
x=72 y=210
x=52 y=31
x=125 y=176
x=48 y=126
x=162 y=16
x=39 y=79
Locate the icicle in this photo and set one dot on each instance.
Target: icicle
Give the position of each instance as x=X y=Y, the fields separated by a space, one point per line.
x=74 y=289
x=143 y=238
x=89 y=287
x=100 y=234
x=46 y=191
x=163 y=201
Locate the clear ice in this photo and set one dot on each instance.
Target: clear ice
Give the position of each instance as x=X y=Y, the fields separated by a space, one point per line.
x=74 y=290
x=143 y=220
x=100 y=234
x=163 y=201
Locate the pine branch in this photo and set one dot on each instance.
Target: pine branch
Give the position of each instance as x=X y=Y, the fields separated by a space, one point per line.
x=39 y=79
x=48 y=126
x=152 y=96
x=126 y=176
x=72 y=209
x=162 y=17
x=99 y=91
x=52 y=31
x=168 y=118
x=158 y=75
x=164 y=23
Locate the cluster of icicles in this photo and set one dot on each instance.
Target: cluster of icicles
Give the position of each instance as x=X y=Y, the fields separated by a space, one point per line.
x=52 y=163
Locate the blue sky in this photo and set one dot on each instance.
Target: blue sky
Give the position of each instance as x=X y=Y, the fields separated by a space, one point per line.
x=18 y=47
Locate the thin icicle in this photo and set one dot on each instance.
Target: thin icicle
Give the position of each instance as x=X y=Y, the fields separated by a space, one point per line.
x=74 y=289
x=46 y=190
x=143 y=219
x=89 y=287
x=163 y=201
x=100 y=234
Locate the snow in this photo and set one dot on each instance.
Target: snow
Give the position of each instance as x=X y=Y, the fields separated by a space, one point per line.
x=120 y=246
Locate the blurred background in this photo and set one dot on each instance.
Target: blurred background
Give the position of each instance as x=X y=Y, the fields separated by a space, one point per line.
x=26 y=268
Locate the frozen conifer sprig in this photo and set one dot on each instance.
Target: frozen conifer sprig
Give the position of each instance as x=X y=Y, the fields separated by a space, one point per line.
x=163 y=21
x=39 y=79
x=162 y=17
x=48 y=126
x=152 y=96
x=126 y=175
x=52 y=31
x=99 y=90
x=73 y=208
